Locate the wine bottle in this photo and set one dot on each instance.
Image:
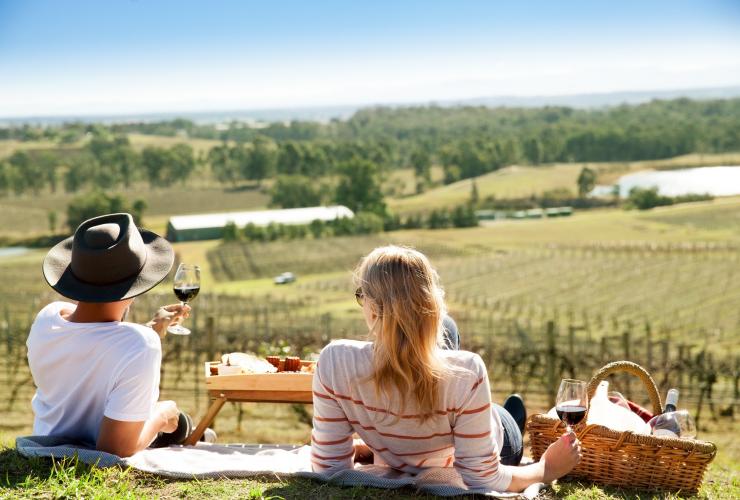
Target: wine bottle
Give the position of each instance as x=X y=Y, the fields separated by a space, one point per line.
x=673 y=423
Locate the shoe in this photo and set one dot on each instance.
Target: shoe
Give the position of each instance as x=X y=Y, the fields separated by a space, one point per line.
x=209 y=436
x=514 y=404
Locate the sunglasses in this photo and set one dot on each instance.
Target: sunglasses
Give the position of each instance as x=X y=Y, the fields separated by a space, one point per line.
x=359 y=296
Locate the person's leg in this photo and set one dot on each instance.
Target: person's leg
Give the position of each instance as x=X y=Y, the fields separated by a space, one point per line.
x=513 y=448
x=450 y=333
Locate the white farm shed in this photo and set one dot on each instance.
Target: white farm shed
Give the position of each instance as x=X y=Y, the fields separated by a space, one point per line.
x=211 y=226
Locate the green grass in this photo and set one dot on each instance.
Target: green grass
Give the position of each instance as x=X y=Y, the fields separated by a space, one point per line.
x=44 y=478
x=509 y=182
x=676 y=267
x=27 y=215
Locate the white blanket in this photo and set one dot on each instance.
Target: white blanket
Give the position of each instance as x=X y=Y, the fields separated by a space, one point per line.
x=238 y=460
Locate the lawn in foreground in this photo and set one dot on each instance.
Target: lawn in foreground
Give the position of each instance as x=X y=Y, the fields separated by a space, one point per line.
x=42 y=478
x=35 y=478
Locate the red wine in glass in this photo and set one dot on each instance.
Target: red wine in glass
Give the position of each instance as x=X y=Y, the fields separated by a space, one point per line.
x=186 y=287
x=572 y=402
x=187 y=293
x=571 y=415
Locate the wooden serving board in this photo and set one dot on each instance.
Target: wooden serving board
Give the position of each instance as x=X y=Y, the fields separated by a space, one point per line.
x=268 y=383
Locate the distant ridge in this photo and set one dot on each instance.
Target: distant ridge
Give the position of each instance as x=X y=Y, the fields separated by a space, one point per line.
x=327 y=113
x=599 y=100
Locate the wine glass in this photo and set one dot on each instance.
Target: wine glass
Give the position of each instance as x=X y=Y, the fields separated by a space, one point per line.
x=572 y=402
x=186 y=286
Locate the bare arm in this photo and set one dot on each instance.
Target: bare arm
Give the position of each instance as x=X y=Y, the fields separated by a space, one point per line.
x=123 y=438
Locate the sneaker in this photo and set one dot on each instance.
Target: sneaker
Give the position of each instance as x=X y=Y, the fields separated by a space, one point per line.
x=514 y=404
x=209 y=436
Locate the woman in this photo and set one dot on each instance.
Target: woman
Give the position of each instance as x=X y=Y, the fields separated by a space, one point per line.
x=414 y=404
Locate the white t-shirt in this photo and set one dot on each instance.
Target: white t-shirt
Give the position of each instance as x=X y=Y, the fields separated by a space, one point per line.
x=84 y=371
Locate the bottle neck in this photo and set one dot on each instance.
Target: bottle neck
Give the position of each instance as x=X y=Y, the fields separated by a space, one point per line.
x=671 y=400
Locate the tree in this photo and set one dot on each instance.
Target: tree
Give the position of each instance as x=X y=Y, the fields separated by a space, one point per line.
x=317 y=228
x=182 y=162
x=155 y=162
x=532 y=151
x=137 y=211
x=92 y=205
x=290 y=157
x=165 y=166
x=47 y=166
x=51 y=217
x=28 y=174
x=261 y=160
x=367 y=223
x=253 y=232
x=474 y=197
x=290 y=191
x=421 y=162
x=79 y=173
x=231 y=231
x=359 y=187
x=5 y=177
x=644 y=199
x=586 y=181
x=464 y=216
x=222 y=164
x=439 y=219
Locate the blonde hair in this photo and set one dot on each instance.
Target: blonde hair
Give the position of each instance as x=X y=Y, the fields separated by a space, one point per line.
x=404 y=289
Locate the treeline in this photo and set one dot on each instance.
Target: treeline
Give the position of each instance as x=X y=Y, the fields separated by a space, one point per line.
x=105 y=162
x=647 y=198
x=361 y=223
x=465 y=141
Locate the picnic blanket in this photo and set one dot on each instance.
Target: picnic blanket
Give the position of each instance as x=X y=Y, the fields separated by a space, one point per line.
x=240 y=460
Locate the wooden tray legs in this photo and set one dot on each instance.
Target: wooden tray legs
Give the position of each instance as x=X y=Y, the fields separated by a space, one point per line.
x=213 y=410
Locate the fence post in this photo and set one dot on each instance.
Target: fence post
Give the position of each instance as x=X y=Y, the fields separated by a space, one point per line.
x=551 y=355
x=626 y=344
x=603 y=350
x=649 y=346
x=210 y=337
x=571 y=342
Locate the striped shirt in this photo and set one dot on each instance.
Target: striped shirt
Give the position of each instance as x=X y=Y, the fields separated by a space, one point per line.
x=465 y=432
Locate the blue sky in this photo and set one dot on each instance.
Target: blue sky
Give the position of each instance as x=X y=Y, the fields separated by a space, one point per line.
x=116 y=56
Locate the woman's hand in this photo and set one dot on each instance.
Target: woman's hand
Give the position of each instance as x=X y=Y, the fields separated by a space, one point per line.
x=561 y=457
x=166 y=316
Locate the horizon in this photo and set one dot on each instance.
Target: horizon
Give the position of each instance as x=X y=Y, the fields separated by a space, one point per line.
x=127 y=58
x=343 y=111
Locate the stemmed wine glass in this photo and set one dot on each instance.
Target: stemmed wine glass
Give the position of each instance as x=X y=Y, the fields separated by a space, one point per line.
x=572 y=402
x=186 y=286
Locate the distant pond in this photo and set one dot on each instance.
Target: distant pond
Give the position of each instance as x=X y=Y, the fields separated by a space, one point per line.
x=717 y=181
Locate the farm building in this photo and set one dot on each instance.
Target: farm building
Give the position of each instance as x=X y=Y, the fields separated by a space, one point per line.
x=211 y=226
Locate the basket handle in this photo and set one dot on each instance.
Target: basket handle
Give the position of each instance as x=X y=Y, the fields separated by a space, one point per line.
x=633 y=369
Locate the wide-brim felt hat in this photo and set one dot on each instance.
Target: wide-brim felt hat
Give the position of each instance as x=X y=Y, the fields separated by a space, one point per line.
x=108 y=259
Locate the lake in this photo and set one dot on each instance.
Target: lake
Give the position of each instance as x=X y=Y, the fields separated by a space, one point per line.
x=717 y=181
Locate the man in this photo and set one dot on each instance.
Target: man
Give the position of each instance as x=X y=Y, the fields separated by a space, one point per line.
x=97 y=376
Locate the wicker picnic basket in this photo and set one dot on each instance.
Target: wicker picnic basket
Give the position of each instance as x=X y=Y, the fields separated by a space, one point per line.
x=624 y=458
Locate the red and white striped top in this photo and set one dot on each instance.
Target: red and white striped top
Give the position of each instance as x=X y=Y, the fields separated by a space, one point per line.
x=465 y=433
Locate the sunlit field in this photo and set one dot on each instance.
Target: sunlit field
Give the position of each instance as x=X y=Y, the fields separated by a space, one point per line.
x=604 y=271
